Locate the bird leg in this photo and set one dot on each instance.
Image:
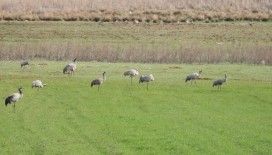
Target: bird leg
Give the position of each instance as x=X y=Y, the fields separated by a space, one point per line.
x=98 y=87
x=147 y=85
x=130 y=80
x=14 y=107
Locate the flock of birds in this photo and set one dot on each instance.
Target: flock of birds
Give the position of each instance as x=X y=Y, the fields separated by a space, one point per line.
x=71 y=67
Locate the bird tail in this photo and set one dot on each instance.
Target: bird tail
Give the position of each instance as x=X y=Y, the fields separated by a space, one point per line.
x=187 y=79
x=8 y=100
x=66 y=69
x=92 y=84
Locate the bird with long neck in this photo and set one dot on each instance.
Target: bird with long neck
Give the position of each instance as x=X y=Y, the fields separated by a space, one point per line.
x=99 y=81
x=220 y=82
x=193 y=77
x=146 y=79
x=14 y=98
x=70 y=68
x=131 y=73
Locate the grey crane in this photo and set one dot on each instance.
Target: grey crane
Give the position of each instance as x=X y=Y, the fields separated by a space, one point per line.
x=193 y=77
x=146 y=79
x=24 y=63
x=70 y=68
x=131 y=73
x=99 y=81
x=219 y=82
x=13 y=98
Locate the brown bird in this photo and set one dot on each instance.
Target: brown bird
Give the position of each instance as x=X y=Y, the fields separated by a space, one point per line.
x=99 y=81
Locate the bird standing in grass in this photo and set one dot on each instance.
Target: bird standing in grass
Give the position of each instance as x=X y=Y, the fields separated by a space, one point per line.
x=38 y=84
x=193 y=77
x=219 y=82
x=14 y=98
x=131 y=73
x=24 y=63
x=70 y=68
x=146 y=79
x=99 y=81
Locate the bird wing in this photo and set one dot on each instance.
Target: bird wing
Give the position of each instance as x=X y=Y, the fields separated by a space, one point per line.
x=37 y=83
x=15 y=97
x=195 y=74
x=66 y=69
x=95 y=82
x=189 y=77
x=126 y=73
x=8 y=100
x=218 y=81
x=144 y=78
x=151 y=77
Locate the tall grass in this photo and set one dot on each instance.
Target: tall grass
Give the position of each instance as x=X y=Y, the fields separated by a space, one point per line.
x=141 y=10
x=109 y=53
x=236 y=42
x=68 y=5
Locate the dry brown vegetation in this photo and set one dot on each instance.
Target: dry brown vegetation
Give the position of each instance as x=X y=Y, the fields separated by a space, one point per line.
x=66 y=51
x=232 y=42
x=136 y=10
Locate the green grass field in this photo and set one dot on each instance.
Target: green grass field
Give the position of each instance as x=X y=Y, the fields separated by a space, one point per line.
x=70 y=117
x=124 y=35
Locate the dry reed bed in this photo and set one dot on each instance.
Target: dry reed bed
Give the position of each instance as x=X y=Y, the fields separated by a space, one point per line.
x=64 y=51
x=136 y=10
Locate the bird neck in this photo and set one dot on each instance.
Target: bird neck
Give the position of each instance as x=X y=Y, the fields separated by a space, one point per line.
x=20 y=91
